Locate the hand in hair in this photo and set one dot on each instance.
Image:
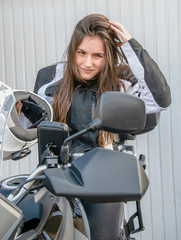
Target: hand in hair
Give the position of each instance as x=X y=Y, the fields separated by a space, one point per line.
x=121 y=31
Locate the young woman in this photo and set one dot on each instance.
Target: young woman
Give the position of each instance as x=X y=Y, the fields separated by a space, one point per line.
x=102 y=56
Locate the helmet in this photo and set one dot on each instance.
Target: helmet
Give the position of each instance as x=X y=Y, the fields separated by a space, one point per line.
x=21 y=131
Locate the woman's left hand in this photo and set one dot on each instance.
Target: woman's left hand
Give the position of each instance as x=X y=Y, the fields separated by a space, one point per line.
x=121 y=31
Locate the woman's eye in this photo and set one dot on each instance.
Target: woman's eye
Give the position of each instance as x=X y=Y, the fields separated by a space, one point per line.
x=98 y=56
x=81 y=52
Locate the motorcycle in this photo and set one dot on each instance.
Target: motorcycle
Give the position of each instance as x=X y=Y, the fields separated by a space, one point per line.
x=46 y=204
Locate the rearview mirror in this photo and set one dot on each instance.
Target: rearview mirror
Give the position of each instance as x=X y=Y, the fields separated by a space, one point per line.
x=116 y=112
x=120 y=113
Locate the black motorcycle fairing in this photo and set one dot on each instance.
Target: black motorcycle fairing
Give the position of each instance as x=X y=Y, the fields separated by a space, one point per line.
x=51 y=216
x=100 y=176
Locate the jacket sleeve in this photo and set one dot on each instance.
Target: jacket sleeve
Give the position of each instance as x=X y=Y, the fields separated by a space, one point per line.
x=48 y=79
x=44 y=76
x=152 y=86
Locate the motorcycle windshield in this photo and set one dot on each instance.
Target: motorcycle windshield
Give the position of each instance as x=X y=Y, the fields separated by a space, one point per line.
x=7 y=101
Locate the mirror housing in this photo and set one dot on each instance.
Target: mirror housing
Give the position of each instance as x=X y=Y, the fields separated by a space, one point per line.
x=119 y=112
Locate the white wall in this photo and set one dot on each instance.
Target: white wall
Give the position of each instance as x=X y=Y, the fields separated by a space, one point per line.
x=35 y=33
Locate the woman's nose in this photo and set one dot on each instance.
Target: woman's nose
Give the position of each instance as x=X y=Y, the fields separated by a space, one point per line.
x=88 y=61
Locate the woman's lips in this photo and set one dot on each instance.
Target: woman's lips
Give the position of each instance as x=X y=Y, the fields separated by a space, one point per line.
x=87 y=70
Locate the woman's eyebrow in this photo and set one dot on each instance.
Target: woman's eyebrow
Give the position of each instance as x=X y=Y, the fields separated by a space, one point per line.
x=102 y=53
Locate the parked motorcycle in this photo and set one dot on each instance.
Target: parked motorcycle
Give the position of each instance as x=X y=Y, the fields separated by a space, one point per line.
x=46 y=204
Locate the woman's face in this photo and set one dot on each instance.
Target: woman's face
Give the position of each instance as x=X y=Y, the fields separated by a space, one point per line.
x=90 y=57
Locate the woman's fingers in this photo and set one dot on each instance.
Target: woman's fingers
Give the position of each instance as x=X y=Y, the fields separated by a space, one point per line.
x=19 y=107
x=121 y=31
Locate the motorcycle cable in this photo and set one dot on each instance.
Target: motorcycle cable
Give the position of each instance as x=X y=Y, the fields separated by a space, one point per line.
x=94 y=125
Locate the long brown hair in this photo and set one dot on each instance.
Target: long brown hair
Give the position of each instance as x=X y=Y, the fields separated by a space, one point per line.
x=91 y=25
